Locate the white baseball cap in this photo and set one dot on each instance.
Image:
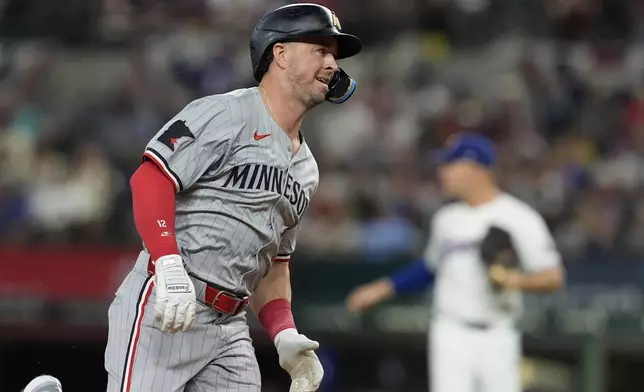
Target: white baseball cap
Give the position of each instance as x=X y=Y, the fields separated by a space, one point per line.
x=44 y=383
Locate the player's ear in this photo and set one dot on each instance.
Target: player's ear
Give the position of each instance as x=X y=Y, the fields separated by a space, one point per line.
x=279 y=54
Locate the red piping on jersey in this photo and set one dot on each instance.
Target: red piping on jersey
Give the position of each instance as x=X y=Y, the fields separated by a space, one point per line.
x=153 y=157
x=282 y=258
x=153 y=204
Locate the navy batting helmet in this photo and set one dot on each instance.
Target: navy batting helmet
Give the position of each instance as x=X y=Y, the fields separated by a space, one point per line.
x=294 y=22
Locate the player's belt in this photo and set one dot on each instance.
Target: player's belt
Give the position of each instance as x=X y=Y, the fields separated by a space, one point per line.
x=220 y=300
x=477 y=325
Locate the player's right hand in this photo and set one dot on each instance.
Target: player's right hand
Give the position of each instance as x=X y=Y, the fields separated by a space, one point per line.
x=369 y=295
x=176 y=302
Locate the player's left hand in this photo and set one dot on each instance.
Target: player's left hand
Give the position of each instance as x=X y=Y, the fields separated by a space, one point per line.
x=505 y=278
x=296 y=356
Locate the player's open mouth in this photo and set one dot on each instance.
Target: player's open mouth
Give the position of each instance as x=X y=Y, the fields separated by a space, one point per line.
x=323 y=81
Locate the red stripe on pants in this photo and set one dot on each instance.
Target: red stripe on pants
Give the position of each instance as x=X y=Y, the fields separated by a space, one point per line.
x=136 y=334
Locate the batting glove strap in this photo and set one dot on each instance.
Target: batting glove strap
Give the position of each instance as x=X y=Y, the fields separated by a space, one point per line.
x=175 y=276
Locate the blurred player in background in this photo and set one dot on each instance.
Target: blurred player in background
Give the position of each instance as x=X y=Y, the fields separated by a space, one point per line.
x=475 y=344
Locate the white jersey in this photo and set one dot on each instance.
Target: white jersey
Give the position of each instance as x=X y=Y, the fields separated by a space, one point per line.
x=462 y=290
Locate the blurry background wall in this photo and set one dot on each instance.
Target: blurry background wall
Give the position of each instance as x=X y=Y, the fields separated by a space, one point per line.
x=556 y=83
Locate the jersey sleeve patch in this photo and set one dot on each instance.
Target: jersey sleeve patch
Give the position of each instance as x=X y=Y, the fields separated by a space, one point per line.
x=171 y=136
x=192 y=141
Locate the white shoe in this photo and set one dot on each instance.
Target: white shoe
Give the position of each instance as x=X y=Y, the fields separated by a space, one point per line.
x=44 y=383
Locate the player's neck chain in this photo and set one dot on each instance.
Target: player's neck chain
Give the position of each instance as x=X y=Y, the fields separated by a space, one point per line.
x=262 y=92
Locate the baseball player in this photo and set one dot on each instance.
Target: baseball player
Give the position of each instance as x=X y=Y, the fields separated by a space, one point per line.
x=217 y=201
x=474 y=341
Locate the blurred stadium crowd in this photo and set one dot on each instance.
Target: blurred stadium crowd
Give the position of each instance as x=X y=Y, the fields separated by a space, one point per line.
x=84 y=85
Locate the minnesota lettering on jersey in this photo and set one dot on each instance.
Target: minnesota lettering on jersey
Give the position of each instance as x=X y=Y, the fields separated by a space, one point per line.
x=270 y=179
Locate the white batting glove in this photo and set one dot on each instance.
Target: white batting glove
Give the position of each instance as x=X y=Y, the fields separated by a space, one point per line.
x=176 y=302
x=298 y=359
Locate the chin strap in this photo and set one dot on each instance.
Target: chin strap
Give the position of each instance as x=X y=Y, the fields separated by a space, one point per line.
x=341 y=87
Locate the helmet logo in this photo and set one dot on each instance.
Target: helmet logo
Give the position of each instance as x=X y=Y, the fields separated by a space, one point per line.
x=336 y=21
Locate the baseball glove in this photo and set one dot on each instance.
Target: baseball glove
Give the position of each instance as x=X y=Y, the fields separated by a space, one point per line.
x=497 y=251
